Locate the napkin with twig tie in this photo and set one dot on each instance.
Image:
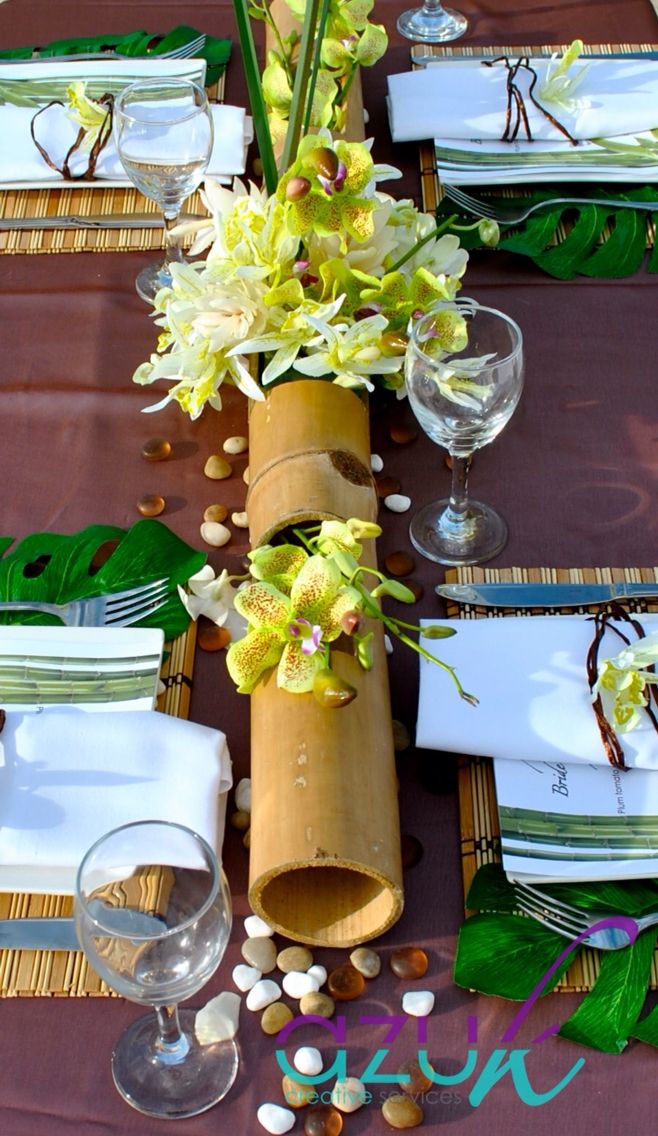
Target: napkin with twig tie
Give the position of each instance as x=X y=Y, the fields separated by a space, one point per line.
x=530 y=676
x=67 y=777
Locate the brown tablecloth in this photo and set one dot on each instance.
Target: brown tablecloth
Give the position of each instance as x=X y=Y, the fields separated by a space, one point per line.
x=574 y=473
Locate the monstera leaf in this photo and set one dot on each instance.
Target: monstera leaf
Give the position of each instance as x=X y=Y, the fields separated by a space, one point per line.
x=97 y=560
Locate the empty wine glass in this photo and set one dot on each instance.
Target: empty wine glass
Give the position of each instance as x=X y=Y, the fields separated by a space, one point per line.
x=163 y=132
x=464 y=374
x=432 y=23
x=153 y=916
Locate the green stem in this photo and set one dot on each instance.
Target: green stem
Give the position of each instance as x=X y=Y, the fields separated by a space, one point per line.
x=256 y=100
x=286 y=59
x=302 y=74
x=324 y=13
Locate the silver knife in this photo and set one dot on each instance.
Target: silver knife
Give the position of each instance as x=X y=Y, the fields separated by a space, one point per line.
x=49 y=934
x=543 y=595
x=95 y=221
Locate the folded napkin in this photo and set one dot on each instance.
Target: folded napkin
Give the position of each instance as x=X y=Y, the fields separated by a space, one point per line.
x=67 y=777
x=469 y=100
x=534 y=703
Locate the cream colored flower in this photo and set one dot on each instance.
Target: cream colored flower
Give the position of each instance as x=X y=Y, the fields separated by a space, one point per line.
x=213 y=597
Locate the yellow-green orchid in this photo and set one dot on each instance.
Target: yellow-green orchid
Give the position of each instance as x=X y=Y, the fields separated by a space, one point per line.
x=351 y=353
x=88 y=115
x=624 y=683
x=561 y=83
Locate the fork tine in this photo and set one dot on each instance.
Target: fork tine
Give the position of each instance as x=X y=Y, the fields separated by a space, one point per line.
x=559 y=928
x=125 y=618
x=128 y=606
x=479 y=208
x=550 y=901
x=114 y=598
x=541 y=911
x=187 y=50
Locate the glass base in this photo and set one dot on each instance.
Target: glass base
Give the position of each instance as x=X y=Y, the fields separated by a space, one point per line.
x=151 y=279
x=481 y=536
x=165 y=1085
x=428 y=26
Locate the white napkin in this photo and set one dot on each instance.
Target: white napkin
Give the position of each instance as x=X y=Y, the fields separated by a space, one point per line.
x=67 y=777
x=468 y=100
x=529 y=675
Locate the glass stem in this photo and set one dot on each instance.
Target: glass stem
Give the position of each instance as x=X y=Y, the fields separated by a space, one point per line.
x=172 y=1045
x=173 y=250
x=456 y=513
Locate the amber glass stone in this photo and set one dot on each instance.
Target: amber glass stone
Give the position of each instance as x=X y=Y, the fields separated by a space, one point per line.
x=345 y=983
x=417 y=589
x=400 y=1111
x=151 y=505
x=412 y=850
x=403 y=433
x=399 y=563
x=323 y=1120
x=156 y=449
x=409 y=962
x=387 y=485
x=418 y=1082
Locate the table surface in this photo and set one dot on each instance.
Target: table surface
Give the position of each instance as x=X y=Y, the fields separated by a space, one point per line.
x=574 y=473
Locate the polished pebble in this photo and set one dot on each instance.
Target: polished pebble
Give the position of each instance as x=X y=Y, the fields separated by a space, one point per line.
x=245 y=475
x=240 y=820
x=240 y=520
x=308 y=1060
x=210 y=637
x=318 y=971
x=317 y=1003
x=275 y=1119
x=366 y=961
x=245 y=977
x=386 y=486
x=345 y=983
x=217 y=468
x=416 y=588
x=260 y=951
x=215 y=534
x=297 y=1095
x=418 y=1003
x=399 y=563
x=294 y=958
x=403 y=433
x=296 y=984
x=263 y=994
x=397 y=502
x=243 y=801
x=275 y=1017
x=151 y=505
x=401 y=736
x=218 y=1020
x=156 y=449
x=416 y=1081
x=412 y=850
x=246 y=839
x=376 y=463
x=217 y=513
x=400 y=1111
x=235 y=445
x=409 y=962
x=322 y=1120
x=388 y=644
x=349 y=1094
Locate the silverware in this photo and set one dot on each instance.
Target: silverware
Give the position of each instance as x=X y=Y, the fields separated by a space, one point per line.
x=185 y=51
x=423 y=58
x=543 y=595
x=572 y=921
x=47 y=934
x=117 y=609
x=513 y=214
x=94 y=221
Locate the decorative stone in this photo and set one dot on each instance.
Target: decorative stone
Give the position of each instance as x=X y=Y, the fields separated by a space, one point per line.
x=308 y=1060
x=210 y=637
x=240 y=520
x=388 y=645
x=295 y=1094
x=399 y=563
x=318 y=972
x=345 y=983
x=245 y=475
x=376 y=463
x=397 y=502
x=417 y=589
x=317 y=1003
x=294 y=958
x=263 y=994
x=156 y=450
x=217 y=468
x=349 y=1094
x=366 y=961
x=412 y=850
x=217 y=513
x=246 y=839
x=296 y=984
x=400 y=1111
x=401 y=736
x=402 y=433
x=386 y=485
x=151 y=505
x=323 y=1120
x=243 y=801
x=235 y=445
x=418 y=1003
x=245 y=977
x=417 y=1081
x=409 y=962
x=275 y=1119
x=275 y=1017
x=260 y=951
x=215 y=534
x=240 y=820
x=218 y=1019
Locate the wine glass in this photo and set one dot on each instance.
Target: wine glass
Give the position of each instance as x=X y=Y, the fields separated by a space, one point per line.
x=464 y=374
x=432 y=23
x=153 y=916
x=163 y=132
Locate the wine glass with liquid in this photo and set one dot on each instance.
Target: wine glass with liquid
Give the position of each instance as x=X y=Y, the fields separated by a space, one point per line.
x=163 y=132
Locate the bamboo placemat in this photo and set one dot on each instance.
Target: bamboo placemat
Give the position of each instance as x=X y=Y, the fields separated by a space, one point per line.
x=430 y=185
x=478 y=811
x=59 y=202
x=66 y=974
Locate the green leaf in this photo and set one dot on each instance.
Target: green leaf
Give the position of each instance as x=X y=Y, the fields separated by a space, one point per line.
x=491 y=890
x=607 y=1014
x=507 y=955
x=57 y=568
x=564 y=258
x=623 y=251
x=647 y=1029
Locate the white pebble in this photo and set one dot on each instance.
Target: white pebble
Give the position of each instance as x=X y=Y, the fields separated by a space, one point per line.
x=218 y=1020
x=215 y=534
x=376 y=463
x=308 y=1060
x=348 y=1095
x=318 y=972
x=255 y=927
x=240 y=520
x=243 y=801
x=418 y=1003
x=275 y=1119
x=296 y=983
x=235 y=445
x=263 y=994
x=388 y=644
x=397 y=502
x=245 y=977
x=245 y=475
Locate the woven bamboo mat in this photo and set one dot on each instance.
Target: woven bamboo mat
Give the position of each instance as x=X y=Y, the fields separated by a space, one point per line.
x=59 y=202
x=478 y=812
x=66 y=974
x=430 y=185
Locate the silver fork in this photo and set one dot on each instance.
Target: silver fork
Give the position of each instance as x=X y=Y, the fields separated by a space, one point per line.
x=571 y=921
x=185 y=51
x=118 y=609
x=514 y=214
